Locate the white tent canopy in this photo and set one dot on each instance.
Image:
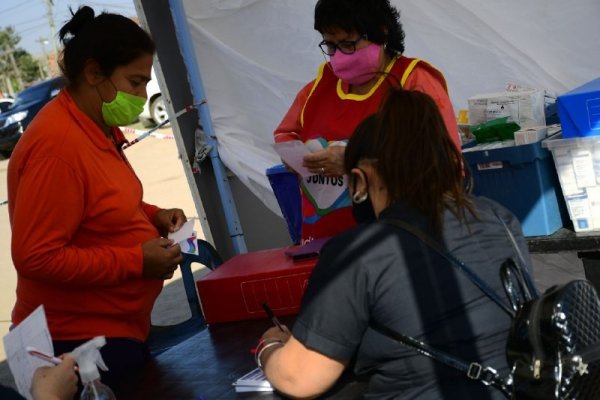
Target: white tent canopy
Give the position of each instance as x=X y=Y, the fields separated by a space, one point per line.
x=254 y=55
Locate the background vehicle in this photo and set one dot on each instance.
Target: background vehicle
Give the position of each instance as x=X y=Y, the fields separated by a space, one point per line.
x=26 y=105
x=155 y=110
x=5 y=103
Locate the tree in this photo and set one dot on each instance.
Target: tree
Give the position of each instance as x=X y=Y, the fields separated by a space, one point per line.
x=30 y=70
x=27 y=67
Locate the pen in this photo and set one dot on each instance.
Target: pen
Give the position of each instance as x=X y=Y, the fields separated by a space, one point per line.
x=272 y=316
x=44 y=356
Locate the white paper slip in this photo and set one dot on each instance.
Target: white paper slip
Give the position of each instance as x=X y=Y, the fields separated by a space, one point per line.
x=292 y=153
x=243 y=389
x=186 y=231
x=32 y=331
x=253 y=381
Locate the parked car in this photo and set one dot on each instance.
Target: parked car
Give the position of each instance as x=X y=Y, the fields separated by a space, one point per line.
x=155 y=110
x=26 y=105
x=5 y=103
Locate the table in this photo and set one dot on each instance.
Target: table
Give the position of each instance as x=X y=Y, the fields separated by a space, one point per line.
x=564 y=240
x=205 y=365
x=587 y=246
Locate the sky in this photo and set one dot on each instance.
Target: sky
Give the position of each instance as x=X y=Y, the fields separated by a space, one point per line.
x=29 y=18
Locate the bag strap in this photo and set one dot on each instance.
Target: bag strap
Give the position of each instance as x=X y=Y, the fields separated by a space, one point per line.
x=484 y=374
x=527 y=286
x=514 y=285
x=484 y=287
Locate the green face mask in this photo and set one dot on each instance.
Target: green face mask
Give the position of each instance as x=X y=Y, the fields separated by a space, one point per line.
x=123 y=110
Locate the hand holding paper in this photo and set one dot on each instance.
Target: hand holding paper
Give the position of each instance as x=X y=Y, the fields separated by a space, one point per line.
x=292 y=153
x=186 y=237
x=32 y=331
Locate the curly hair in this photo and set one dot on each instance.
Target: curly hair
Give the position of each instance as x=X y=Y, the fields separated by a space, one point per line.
x=377 y=19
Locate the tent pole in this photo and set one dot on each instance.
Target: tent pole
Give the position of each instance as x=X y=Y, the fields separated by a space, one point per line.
x=234 y=226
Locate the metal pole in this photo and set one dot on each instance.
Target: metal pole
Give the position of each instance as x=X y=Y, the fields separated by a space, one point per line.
x=49 y=5
x=187 y=49
x=9 y=86
x=44 y=42
x=16 y=69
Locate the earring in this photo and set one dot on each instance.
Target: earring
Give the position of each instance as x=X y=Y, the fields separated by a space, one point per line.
x=358 y=198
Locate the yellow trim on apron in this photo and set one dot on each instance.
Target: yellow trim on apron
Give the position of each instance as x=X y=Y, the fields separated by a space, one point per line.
x=408 y=70
x=359 y=97
x=317 y=80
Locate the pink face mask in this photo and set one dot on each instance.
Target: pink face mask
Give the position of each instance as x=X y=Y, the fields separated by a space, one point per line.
x=359 y=67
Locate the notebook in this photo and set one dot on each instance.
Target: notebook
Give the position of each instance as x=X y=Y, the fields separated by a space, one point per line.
x=310 y=249
x=253 y=381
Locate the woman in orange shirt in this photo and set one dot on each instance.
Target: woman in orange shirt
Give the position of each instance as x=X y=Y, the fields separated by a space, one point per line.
x=364 y=42
x=84 y=243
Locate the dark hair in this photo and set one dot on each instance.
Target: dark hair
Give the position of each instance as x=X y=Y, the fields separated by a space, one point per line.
x=111 y=40
x=409 y=146
x=377 y=19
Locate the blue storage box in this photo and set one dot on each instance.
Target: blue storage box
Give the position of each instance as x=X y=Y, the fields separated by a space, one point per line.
x=523 y=179
x=287 y=192
x=579 y=110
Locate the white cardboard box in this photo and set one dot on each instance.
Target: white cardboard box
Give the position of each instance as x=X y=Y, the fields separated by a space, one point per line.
x=530 y=135
x=526 y=108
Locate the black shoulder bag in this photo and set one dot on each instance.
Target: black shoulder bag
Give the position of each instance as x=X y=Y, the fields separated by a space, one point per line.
x=553 y=347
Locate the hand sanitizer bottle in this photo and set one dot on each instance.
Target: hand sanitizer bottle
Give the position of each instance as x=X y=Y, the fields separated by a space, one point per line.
x=89 y=359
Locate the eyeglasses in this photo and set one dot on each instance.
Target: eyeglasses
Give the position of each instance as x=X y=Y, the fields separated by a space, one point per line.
x=345 y=46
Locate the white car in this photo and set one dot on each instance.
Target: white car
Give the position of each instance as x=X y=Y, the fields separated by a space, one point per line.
x=155 y=110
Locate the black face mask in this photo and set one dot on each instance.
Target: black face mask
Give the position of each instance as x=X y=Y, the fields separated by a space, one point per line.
x=363 y=212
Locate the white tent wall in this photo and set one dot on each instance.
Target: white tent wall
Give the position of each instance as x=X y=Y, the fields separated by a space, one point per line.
x=254 y=55
x=260 y=226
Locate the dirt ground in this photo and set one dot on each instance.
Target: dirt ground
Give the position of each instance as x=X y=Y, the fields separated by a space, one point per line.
x=157 y=163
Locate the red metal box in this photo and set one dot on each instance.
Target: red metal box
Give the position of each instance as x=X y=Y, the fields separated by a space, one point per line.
x=236 y=289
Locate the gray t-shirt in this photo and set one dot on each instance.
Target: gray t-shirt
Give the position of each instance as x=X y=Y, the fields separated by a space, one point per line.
x=377 y=272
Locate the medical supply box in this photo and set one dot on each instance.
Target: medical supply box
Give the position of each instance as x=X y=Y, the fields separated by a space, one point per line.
x=579 y=111
x=236 y=289
x=577 y=163
x=525 y=107
x=521 y=178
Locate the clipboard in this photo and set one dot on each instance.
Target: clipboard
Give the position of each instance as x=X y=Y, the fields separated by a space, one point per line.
x=309 y=250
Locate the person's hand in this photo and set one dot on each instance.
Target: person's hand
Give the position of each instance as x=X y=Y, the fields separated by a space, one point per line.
x=328 y=162
x=161 y=258
x=272 y=339
x=276 y=333
x=169 y=220
x=55 y=383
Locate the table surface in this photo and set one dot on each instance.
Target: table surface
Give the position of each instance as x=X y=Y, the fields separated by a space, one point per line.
x=205 y=366
x=565 y=240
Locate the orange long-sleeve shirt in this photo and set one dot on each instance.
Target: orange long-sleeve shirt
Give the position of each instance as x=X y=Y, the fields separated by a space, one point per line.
x=78 y=222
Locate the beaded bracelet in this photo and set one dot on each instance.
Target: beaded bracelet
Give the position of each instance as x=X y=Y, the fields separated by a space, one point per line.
x=265 y=346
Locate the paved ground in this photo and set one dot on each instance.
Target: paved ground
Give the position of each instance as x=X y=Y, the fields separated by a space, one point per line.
x=159 y=168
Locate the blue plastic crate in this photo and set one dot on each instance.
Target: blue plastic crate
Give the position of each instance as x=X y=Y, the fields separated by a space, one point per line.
x=287 y=192
x=579 y=111
x=523 y=179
